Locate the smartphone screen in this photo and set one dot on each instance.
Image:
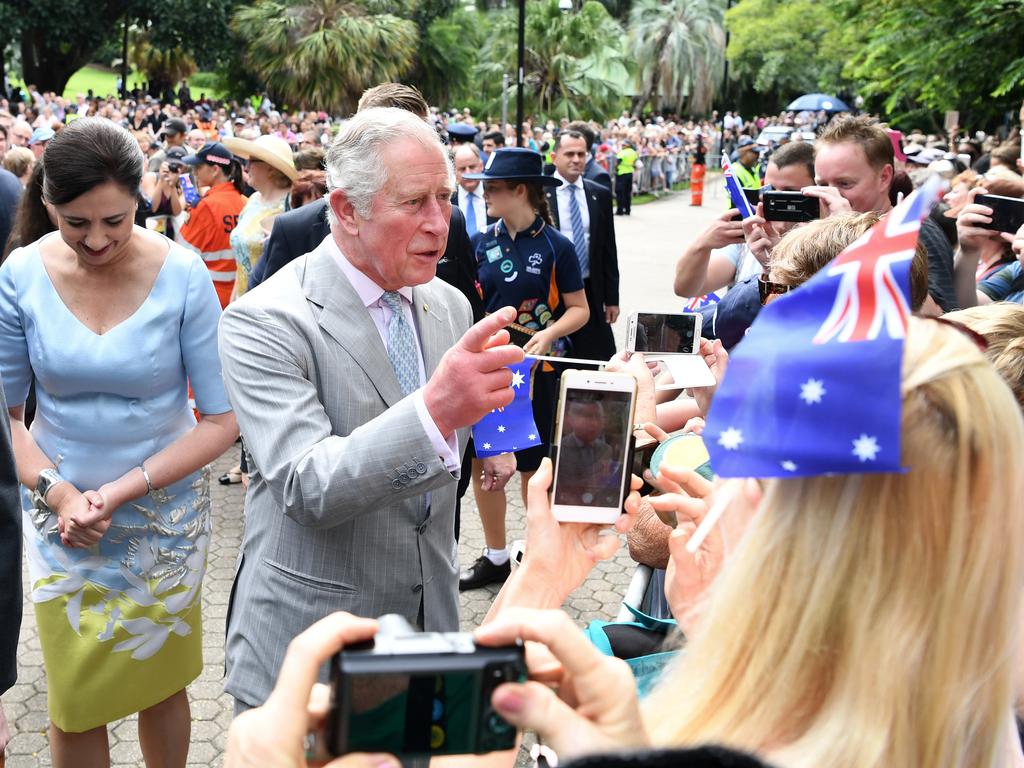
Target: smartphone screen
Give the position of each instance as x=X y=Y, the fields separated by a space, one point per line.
x=666 y=334
x=595 y=433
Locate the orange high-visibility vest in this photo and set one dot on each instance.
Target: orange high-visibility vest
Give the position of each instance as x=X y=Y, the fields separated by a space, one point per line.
x=207 y=231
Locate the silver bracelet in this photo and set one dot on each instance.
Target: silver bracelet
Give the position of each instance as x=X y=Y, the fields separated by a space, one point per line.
x=145 y=474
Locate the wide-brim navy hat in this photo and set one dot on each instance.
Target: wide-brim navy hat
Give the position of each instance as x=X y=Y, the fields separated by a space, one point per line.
x=211 y=152
x=515 y=164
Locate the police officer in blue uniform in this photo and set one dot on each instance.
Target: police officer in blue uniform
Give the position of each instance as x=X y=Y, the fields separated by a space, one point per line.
x=524 y=262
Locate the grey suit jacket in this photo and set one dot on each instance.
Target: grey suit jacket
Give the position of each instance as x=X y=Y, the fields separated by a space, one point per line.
x=335 y=515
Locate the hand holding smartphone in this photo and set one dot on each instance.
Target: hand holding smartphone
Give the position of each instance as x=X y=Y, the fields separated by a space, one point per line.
x=593 y=440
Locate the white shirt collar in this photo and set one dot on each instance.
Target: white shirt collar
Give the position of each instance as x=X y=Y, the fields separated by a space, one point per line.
x=565 y=183
x=369 y=292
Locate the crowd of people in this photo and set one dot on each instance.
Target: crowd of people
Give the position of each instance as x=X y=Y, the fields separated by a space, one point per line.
x=347 y=296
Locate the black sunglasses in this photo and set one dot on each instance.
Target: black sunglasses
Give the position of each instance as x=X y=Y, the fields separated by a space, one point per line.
x=766 y=289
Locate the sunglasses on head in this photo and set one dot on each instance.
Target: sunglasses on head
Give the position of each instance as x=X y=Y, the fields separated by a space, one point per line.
x=767 y=289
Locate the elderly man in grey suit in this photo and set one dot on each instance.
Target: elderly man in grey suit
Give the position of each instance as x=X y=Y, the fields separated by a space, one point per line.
x=354 y=378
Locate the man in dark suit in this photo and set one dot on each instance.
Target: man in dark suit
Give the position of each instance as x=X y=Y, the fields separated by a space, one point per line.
x=591 y=170
x=10 y=569
x=582 y=211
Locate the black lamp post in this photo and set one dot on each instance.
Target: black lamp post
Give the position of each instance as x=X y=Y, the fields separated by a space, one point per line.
x=521 y=76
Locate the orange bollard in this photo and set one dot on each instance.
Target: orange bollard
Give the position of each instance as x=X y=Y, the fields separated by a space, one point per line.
x=697 y=185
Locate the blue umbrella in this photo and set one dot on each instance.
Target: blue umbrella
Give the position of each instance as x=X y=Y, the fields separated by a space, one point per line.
x=818 y=101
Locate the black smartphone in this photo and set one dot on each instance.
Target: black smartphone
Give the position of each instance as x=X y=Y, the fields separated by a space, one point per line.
x=411 y=693
x=1007 y=212
x=791 y=206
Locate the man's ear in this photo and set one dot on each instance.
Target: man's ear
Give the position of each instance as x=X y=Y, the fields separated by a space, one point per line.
x=887 y=175
x=344 y=211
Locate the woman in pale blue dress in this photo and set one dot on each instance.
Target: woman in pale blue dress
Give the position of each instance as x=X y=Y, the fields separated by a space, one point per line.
x=111 y=322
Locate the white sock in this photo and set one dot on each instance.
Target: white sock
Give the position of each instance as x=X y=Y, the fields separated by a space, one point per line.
x=496 y=556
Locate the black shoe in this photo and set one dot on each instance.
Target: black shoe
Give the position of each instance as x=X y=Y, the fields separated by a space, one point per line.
x=483 y=572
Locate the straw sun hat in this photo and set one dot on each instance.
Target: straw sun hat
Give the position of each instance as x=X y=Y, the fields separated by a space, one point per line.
x=272 y=150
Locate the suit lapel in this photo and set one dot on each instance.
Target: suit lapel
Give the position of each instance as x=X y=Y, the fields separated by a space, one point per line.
x=348 y=322
x=434 y=340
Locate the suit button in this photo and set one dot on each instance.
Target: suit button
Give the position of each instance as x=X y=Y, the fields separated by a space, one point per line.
x=418 y=588
x=396 y=484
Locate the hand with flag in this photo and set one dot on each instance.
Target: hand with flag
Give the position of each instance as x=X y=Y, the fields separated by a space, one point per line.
x=814 y=388
x=472 y=377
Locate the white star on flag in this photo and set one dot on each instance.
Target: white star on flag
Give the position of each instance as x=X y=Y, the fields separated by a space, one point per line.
x=866 y=448
x=789 y=466
x=518 y=379
x=730 y=439
x=531 y=437
x=501 y=427
x=811 y=391
x=487 y=446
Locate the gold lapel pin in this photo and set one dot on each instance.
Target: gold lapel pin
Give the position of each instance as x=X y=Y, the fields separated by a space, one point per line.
x=425 y=307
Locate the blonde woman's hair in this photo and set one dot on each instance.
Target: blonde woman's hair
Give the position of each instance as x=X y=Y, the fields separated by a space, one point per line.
x=18 y=160
x=869 y=621
x=806 y=250
x=1002 y=325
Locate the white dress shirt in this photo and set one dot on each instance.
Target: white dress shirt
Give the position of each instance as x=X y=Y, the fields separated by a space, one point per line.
x=564 y=217
x=477 y=198
x=370 y=294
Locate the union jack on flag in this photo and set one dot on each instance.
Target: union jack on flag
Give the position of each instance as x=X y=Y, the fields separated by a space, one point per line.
x=869 y=298
x=699 y=302
x=814 y=404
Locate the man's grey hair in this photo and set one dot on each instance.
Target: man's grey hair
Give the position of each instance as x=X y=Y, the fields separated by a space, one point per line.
x=469 y=147
x=355 y=162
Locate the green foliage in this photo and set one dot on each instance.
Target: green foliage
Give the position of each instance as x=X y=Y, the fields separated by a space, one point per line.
x=790 y=47
x=678 y=46
x=323 y=54
x=940 y=55
x=446 y=56
x=574 y=64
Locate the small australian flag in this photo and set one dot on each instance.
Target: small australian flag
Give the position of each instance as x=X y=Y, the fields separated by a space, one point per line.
x=814 y=388
x=512 y=428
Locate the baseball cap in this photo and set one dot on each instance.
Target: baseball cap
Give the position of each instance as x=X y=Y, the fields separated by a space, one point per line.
x=176 y=153
x=745 y=141
x=40 y=135
x=212 y=152
x=173 y=125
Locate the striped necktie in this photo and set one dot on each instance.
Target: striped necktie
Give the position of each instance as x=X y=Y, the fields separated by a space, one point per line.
x=579 y=237
x=401 y=344
x=471 y=225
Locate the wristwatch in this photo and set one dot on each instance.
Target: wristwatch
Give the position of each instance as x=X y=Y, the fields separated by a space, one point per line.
x=48 y=478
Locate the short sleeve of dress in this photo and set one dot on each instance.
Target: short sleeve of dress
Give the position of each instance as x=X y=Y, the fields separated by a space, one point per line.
x=199 y=342
x=1000 y=285
x=567 y=266
x=15 y=368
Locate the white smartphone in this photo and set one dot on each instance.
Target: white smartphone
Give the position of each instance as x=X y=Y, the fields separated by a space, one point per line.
x=675 y=340
x=593 y=438
x=657 y=334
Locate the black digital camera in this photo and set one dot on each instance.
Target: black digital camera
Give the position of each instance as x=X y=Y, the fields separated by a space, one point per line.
x=790 y=206
x=412 y=693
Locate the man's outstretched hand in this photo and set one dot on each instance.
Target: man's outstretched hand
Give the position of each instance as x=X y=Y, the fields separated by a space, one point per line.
x=472 y=378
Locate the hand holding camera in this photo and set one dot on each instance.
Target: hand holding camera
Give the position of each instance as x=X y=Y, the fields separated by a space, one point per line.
x=974 y=223
x=273 y=736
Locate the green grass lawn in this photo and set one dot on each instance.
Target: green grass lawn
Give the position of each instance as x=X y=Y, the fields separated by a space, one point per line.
x=104 y=83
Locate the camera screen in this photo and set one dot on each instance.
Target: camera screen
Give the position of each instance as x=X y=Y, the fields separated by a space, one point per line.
x=666 y=334
x=422 y=713
x=591 y=454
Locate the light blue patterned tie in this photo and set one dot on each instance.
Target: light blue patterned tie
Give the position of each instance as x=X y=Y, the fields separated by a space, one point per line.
x=471 y=226
x=401 y=344
x=579 y=237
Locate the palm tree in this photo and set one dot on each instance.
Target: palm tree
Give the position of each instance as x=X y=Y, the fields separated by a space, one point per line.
x=574 y=63
x=679 y=47
x=322 y=54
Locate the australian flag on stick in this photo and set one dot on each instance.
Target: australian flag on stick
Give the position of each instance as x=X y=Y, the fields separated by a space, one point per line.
x=732 y=186
x=814 y=388
x=511 y=428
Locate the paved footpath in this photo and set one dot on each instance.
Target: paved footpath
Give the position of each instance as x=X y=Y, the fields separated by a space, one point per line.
x=650 y=241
